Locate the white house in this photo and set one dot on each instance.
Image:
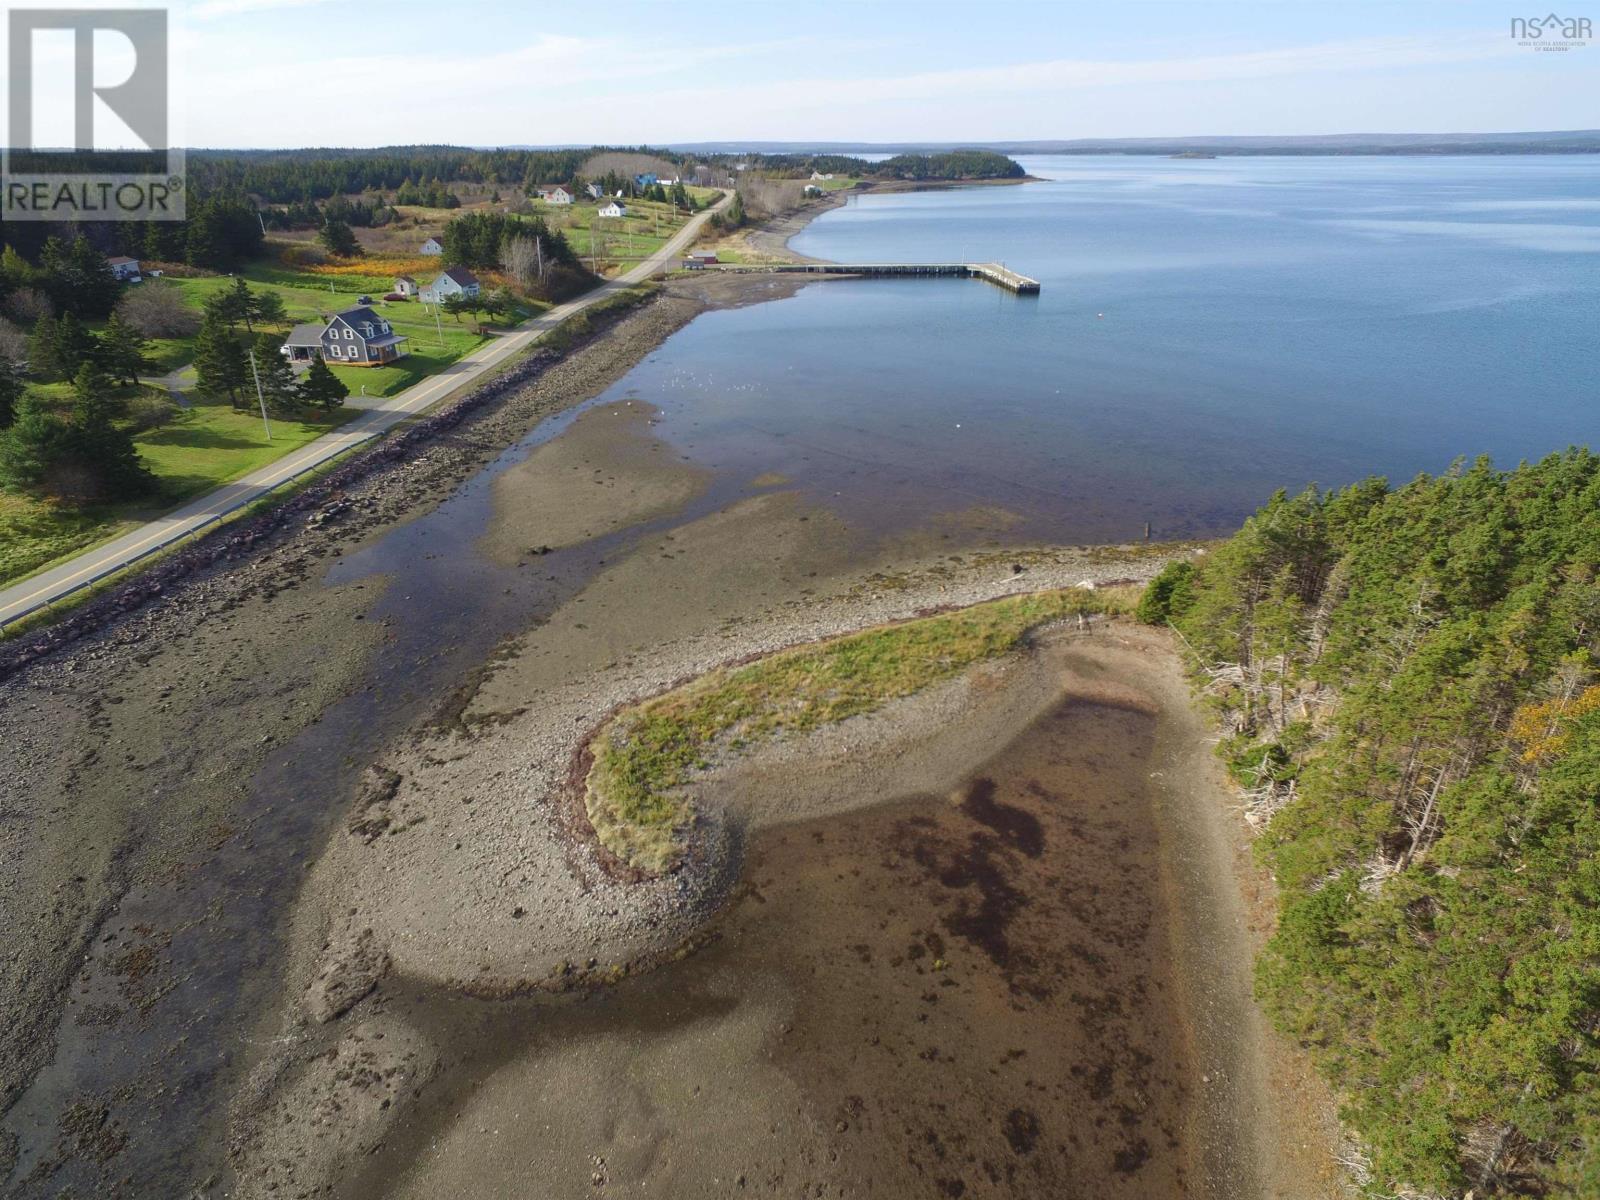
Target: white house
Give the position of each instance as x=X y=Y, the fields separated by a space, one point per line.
x=432 y=246
x=404 y=285
x=596 y=192
x=456 y=281
x=125 y=269
x=613 y=208
x=555 y=195
x=819 y=175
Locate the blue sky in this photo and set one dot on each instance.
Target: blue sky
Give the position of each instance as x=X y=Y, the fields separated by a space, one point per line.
x=329 y=72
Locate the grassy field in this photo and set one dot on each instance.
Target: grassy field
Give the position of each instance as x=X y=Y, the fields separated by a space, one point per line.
x=204 y=446
x=433 y=345
x=626 y=240
x=646 y=755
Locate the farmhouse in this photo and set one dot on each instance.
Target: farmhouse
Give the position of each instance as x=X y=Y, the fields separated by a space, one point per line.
x=596 y=192
x=432 y=246
x=555 y=195
x=820 y=175
x=612 y=208
x=456 y=281
x=357 y=337
x=125 y=269
x=404 y=285
x=360 y=337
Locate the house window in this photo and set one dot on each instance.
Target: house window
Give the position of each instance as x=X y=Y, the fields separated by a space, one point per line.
x=349 y=334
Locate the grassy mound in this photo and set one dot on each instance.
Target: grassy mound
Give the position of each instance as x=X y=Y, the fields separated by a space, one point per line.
x=648 y=752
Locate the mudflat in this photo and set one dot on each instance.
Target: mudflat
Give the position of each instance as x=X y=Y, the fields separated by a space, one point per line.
x=358 y=894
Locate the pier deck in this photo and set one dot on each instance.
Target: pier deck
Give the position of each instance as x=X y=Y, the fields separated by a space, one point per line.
x=995 y=273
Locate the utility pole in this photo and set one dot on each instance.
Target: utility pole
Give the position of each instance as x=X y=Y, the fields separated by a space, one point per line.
x=438 y=325
x=260 y=399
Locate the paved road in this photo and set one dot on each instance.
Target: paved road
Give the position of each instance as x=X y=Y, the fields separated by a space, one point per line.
x=60 y=581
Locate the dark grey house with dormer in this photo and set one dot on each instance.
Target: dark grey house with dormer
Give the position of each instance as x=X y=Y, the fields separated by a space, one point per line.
x=359 y=337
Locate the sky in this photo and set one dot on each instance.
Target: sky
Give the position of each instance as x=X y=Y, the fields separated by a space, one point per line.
x=277 y=73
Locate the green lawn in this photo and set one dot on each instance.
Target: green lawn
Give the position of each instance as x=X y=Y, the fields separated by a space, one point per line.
x=433 y=345
x=204 y=446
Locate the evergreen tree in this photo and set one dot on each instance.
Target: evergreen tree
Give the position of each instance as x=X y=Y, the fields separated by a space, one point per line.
x=1410 y=681
x=32 y=445
x=279 y=387
x=108 y=463
x=10 y=392
x=122 y=351
x=220 y=363
x=339 y=239
x=322 y=388
x=241 y=302
x=42 y=349
x=58 y=346
x=269 y=309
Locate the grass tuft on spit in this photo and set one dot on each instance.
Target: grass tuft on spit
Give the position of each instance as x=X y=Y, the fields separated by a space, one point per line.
x=647 y=754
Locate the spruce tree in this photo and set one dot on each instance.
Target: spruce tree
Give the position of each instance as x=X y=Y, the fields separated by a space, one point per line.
x=103 y=451
x=219 y=362
x=339 y=239
x=32 y=446
x=322 y=387
x=279 y=387
x=10 y=392
x=122 y=351
x=71 y=345
x=269 y=309
x=42 y=349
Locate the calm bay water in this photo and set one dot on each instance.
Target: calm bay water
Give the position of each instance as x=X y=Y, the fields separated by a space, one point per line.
x=1209 y=330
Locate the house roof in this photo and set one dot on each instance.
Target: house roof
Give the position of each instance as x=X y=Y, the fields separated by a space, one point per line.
x=305 y=335
x=458 y=275
x=120 y=259
x=434 y=240
x=404 y=279
x=351 y=316
x=388 y=339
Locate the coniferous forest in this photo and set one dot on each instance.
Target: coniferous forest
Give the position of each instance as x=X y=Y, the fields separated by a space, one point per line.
x=1408 y=688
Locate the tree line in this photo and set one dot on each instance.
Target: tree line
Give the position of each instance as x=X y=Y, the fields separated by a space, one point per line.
x=1409 y=689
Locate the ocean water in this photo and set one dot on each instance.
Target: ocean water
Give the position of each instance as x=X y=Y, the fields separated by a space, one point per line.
x=1208 y=331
